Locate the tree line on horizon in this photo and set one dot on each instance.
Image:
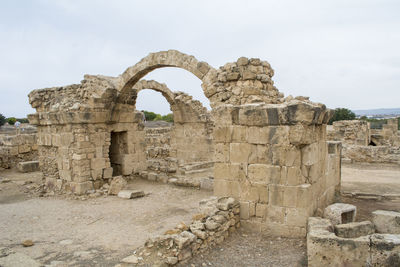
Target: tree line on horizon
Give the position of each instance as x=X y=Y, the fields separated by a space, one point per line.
x=346 y=114
x=11 y=120
x=152 y=116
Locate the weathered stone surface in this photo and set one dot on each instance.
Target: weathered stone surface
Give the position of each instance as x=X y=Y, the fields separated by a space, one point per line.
x=133 y=259
x=226 y=203
x=117 y=184
x=27 y=243
x=340 y=213
x=386 y=222
x=269 y=151
x=28 y=166
x=128 y=194
x=385 y=250
x=354 y=229
x=325 y=248
x=205 y=231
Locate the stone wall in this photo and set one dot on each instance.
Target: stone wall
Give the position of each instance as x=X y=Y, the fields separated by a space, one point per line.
x=325 y=248
x=270 y=152
x=351 y=132
x=389 y=135
x=362 y=144
x=372 y=154
x=161 y=158
x=218 y=218
x=274 y=159
x=17 y=148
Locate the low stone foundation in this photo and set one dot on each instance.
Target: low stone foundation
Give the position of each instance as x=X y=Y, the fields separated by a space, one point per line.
x=354 y=244
x=218 y=218
x=371 y=154
x=17 y=148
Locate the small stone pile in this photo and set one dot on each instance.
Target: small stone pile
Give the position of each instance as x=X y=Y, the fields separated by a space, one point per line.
x=218 y=218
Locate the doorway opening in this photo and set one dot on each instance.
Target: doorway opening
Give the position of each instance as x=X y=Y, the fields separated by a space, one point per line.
x=118 y=148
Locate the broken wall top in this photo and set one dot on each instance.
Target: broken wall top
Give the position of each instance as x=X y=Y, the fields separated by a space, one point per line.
x=244 y=82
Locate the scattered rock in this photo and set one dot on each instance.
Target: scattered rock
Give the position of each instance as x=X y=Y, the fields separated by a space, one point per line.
x=172 y=260
x=117 y=184
x=27 y=243
x=128 y=194
x=226 y=203
x=66 y=242
x=131 y=259
x=211 y=224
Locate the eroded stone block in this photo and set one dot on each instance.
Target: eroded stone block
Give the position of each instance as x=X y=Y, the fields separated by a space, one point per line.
x=28 y=166
x=340 y=213
x=354 y=229
x=386 y=222
x=128 y=194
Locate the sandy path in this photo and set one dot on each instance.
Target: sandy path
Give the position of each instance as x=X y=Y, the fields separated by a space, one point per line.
x=76 y=230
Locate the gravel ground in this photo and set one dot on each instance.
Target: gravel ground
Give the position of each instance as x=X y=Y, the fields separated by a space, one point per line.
x=250 y=249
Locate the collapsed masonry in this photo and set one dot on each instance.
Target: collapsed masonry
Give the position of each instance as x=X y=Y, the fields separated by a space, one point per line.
x=270 y=152
x=16 y=147
x=337 y=240
x=363 y=144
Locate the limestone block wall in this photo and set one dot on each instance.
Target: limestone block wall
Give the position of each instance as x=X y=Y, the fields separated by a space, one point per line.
x=160 y=157
x=16 y=148
x=372 y=154
x=274 y=160
x=192 y=142
x=75 y=155
x=350 y=132
x=325 y=248
x=390 y=132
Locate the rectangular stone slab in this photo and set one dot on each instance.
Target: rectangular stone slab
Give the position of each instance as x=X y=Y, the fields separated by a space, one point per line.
x=128 y=194
x=28 y=166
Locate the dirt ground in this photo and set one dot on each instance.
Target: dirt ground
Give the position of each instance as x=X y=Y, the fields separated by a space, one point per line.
x=93 y=232
x=371 y=178
x=100 y=231
x=252 y=249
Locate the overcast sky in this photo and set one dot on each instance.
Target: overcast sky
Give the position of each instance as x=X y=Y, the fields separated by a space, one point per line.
x=343 y=53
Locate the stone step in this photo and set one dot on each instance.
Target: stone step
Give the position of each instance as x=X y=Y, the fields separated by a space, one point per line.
x=198 y=165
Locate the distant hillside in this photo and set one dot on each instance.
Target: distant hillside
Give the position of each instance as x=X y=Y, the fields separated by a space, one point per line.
x=380 y=111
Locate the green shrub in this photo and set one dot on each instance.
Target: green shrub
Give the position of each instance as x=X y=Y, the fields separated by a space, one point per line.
x=2 y=119
x=11 y=120
x=342 y=114
x=168 y=118
x=23 y=120
x=151 y=116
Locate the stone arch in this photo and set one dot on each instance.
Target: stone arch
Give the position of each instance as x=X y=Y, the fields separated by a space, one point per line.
x=170 y=58
x=153 y=85
x=183 y=106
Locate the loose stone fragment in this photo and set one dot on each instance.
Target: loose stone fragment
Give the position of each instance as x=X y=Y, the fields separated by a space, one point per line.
x=27 y=243
x=128 y=194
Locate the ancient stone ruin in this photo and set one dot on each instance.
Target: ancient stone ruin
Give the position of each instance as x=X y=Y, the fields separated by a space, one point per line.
x=269 y=152
x=337 y=240
x=363 y=144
